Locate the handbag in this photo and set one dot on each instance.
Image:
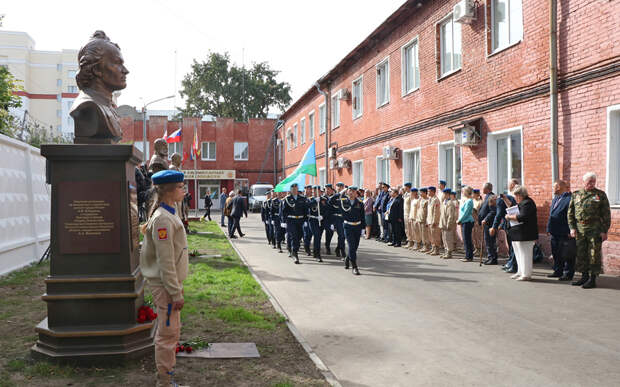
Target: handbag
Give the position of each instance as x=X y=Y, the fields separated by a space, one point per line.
x=568 y=249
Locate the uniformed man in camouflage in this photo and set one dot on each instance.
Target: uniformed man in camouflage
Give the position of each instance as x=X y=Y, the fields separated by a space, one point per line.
x=589 y=219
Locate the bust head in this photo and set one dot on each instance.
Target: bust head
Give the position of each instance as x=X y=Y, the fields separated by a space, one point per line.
x=176 y=160
x=161 y=147
x=101 y=65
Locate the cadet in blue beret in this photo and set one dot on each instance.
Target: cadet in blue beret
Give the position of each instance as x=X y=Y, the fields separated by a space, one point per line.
x=352 y=209
x=167 y=176
x=408 y=185
x=476 y=191
x=442 y=182
x=425 y=190
x=431 y=188
x=447 y=190
x=328 y=185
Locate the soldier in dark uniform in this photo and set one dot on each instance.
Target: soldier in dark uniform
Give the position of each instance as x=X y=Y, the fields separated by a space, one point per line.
x=294 y=210
x=353 y=219
x=336 y=220
x=266 y=217
x=276 y=203
x=316 y=209
x=589 y=219
x=327 y=219
x=306 y=227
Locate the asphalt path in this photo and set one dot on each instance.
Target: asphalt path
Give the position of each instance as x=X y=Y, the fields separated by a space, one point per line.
x=414 y=320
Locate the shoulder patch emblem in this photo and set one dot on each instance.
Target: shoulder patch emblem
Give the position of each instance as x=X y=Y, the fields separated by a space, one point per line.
x=162 y=234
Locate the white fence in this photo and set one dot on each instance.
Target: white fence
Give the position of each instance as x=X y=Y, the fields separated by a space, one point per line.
x=24 y=205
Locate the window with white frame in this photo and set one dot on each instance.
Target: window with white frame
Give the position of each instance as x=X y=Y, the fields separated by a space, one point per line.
x=311 y=126
x=410 y=67
x=295 y=134
x=71 y=74
x=613 y=154
x=358 y=173
x=72 y=89
x=289 y=139
x=322 y=118
x=311 y=180
x=450 y=45
x=358 y=98
x=450 y=165
x=208 y=151
x=59 y=82
x=302 y=127
x=383 y=82
x=335 y=111
x=383 y=170
x=322 y=177
x=175 y=147
x=242 y=150
x=505 y=158
x=412 y=167
x=506 y=23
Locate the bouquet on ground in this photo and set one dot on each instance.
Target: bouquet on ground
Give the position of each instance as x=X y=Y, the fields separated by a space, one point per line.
x=191 y=345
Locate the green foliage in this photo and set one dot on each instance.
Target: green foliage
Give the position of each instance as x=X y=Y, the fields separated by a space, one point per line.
x=223 y=89
x=8 y=85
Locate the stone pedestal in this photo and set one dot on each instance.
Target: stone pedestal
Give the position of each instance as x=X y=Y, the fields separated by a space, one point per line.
x=95 y=286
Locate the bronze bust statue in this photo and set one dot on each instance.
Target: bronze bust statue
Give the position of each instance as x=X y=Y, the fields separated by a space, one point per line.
x=102 y=71
x=176 y=161
x=159 y=160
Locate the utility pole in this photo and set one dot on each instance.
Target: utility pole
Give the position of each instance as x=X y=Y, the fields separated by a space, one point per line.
x=144 y=140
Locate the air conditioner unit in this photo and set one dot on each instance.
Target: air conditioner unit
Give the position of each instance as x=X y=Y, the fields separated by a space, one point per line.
x=469 y=136
x=331 y=152
x=390 y=152
x=333 y=164
x=344 y=163
x=464 y=11
x=344 y=94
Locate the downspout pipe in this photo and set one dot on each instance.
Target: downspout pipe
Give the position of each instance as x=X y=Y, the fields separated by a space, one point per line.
x=278 y=125
x=327 y=128
x=553 y=84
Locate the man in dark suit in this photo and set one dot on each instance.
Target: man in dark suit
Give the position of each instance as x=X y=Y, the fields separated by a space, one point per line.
x=395 y=217
x=499 y=223
x=557 y=228
x=380 y=205
x=486 y=216
x=238 y=209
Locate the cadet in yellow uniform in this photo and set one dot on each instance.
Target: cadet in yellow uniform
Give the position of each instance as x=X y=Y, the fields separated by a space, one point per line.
x=413 y=214
x=164 y=263
x=447 y=223
x=421 y=221
x=432 y=220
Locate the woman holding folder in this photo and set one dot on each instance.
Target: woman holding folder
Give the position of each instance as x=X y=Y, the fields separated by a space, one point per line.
x=523 y=234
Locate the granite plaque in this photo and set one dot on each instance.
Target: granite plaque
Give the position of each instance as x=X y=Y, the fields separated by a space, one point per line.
x=89 y=217
x=134 y=221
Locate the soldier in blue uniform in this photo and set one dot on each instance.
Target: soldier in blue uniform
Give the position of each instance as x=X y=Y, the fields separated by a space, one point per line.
x=306 y=227
x=294 y=210
x=316 y=209
x=353 y=218
x=336 y=219
x=265 y=216
x=327 y=219
x=276 y=203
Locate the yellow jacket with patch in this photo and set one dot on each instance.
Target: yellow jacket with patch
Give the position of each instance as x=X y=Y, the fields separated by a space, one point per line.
x=164 y=257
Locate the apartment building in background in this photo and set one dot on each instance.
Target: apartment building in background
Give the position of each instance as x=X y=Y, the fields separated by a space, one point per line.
x=47 y=78
x=459 y=91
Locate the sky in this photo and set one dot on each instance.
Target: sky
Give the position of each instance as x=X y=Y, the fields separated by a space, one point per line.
x=160 y=39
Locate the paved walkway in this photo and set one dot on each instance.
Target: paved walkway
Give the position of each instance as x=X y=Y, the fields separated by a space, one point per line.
x=414 y=320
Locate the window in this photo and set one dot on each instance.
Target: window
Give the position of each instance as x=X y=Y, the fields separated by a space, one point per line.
x=412 y=167
x=450 y=165
x=505 y=158
x=59 y=82
x=322 y=177
x=58 y=67
x=279 y=146
x=358 y=173
x=208 y=151
x=506 y=23
x=322 y=118
x=410 y=67
x=450 y=46
x=295 y=136
x=72 y=89
x=358 y=98
x=335 y=111
x=175 y=147
x=241 y=151
x=289 y=139
x=383 y=170
x=302 y=124
x=140 y=145
x=311 y=180
x=383 y=83
x=58 y=97
x=613 y=154
x=311 y=126
x=58 y=113
x=71 y=74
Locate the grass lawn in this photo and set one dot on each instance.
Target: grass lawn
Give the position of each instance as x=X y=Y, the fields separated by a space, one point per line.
x=223 y=303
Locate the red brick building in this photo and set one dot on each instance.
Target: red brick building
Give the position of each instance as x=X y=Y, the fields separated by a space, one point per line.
x=396 y=107
x=232 y=153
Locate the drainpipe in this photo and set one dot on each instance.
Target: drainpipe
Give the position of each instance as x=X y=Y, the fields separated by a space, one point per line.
x=553 y=83
x=327 y=129
x=279 y=124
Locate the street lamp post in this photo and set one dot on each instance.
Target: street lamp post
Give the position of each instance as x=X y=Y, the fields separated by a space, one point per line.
x=144 y=141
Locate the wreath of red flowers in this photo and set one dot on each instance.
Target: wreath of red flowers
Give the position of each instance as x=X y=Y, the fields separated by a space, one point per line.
x=146 y=314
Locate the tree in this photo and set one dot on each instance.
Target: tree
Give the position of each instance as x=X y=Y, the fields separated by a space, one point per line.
x=8 y=85
x=222 y=89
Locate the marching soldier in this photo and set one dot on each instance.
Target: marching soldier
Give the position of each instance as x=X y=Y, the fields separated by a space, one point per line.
x=316 y=207
x=278 y=231
x=307 y=232
x=421 y=221
x=294 y=210
x=327 y=223
x=353 y=219
x=336 y=220
x=413 y=214
x=447 y=223
x=432 y=220
x=589 y=219
x=265 y=216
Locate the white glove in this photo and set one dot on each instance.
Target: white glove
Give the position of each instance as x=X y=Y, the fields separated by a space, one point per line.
x=283 y=225
x=331 y=226
x=363 y=232
x=320 y=218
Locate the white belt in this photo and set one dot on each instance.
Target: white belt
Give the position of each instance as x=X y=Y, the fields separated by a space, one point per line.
x=314 y=217
x=340 y=215
x=352 y=223
x=295 y=217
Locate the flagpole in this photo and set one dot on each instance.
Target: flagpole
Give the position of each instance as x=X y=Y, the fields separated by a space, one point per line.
x=195 y=170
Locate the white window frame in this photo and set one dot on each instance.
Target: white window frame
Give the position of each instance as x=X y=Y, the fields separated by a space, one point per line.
x=360 y=178
x=72 y=89
x=612 y=183
x=335 y=101
x=385 y=62
x=289 y=139
x=302 y=128
x=449 y=19
x=235 y=152
x=492 y=138
x=175 y=145
x=385 y=180
x=359 y=111
x=511 y=42
x=295 y=134
x=71 y=74
x=416 y=69
x=414 y=183
x=322 y=118
x=202 y=153
x=311 y=124
x=322 y=177
x=441 y=167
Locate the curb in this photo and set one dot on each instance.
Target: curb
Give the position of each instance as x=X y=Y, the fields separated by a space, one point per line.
x=327 y=373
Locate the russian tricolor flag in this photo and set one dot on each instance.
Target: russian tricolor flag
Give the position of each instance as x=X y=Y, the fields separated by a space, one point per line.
x=174 y=137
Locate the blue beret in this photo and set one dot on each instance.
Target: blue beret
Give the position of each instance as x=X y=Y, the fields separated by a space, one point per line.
x=447 y=190
x=408 y=185
x=442 y=182
x=414 y=189
x=317 y=186
x=340 y=183
x=353 y=187
x=293 y=185
x=423 y=190
x=167 y=176
x=329 y=185
x=452 y=192
x=431 y=188
x=476 y=191
x=309 y=186
x=386 y=184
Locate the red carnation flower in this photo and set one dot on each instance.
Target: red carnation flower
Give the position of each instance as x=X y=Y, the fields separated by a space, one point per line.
x=188 y=349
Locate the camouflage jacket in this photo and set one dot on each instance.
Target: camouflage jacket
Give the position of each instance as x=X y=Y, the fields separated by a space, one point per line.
x=589 y=211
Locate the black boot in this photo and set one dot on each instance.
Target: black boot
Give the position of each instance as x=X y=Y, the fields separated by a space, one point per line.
x=296 y=258
x=346 y=263
x=307 y=249
x=317 y=255
x=584 y=278
x=327 y=250
x=355 y=270
x=337 y=251
x=280 y=247
x=591 y=283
